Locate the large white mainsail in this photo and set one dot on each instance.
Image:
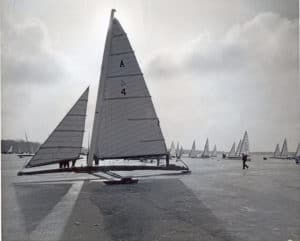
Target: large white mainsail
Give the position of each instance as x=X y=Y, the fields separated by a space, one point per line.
x=277 y=151
x=193 y=152
x=65 y=142
x=172 y=150
x=284 y=150
x=205 y=153
x=245 y=149
x=297 y=153
x=232 y=151
x=125 y=123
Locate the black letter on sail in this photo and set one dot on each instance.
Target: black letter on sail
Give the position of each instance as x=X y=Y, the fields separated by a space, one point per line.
x=122 y=64
x=123 y=91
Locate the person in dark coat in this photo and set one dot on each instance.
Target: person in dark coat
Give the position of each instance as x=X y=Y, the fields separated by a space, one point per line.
x=244 y=159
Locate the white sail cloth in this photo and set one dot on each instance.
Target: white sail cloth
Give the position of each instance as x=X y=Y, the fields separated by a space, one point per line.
x=206 y=153
x=284 y=150
x=245 y=149
x=193 y=152
x=65 y=142
x=277 y=151
x=232 y=151
x=125 y=124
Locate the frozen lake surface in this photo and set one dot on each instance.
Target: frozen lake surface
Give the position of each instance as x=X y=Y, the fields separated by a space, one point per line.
x=218 y=201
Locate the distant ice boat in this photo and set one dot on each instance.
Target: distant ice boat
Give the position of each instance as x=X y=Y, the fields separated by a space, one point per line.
x=277 y=151
x=231 y=153
x=238 y=149
x=242 y=148
x=30 y=149
x=193 y=152
x=10 y=150
x=172 y=150
x=245 y=147
x=284 y=154
x=214 y=152
x=205 y=153
x=177 y=152
x=297 y=153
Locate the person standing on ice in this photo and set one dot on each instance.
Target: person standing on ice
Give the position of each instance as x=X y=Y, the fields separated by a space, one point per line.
x=244 y=159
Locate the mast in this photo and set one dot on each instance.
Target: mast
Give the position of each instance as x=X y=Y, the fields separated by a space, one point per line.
x=99 y=102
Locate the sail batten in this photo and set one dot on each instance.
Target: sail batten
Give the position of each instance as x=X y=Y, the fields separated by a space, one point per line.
x=126 y=124
x=65 y=142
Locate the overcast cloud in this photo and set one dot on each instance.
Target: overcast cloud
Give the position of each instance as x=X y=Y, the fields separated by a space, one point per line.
x=214 y=69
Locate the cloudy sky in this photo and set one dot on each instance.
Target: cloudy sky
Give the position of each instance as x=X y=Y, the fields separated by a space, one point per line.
x=214 y=68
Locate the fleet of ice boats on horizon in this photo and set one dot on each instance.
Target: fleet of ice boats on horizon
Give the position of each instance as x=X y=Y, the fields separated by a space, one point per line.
x=125 y=125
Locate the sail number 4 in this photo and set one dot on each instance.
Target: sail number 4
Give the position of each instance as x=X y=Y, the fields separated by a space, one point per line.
x=123 y=91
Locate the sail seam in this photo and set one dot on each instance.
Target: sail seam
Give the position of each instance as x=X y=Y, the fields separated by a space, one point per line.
x=76 y=115
x=128 y=157
x=138 y=119
x=152 y=140
x=123 y=75
x=119 y=35
x=70 y=130
x=129 y=97
x=126 y=52
x=53 y=147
